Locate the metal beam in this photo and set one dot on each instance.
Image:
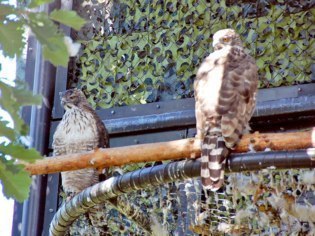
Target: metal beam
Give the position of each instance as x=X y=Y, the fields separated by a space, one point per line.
x=285 y=102
x=39 y=75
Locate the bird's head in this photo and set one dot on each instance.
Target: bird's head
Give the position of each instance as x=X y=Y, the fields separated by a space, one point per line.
x=72 y=98
x=226 y=37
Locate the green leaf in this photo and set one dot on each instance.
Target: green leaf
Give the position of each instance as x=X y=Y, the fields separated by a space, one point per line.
x=6 y=10
x=69 y=18
x=10 y=166
x=20 y=152
x=36 y=3
x=54 y=48
x=26 y=98
x=5 y=131
x=59 y=56
x=12 y=99
x=15 y=184
x=9 y=104
x=11 y=38
x=44 y=29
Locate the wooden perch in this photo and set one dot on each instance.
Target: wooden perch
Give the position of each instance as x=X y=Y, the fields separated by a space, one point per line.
x=179 y=149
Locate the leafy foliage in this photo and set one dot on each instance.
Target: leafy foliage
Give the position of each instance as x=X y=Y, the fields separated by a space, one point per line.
x=69 y=18
x=13 y=23
x=11 y=37
x=150 y=50
x=15 y=179
x=37 y=3
x=12 y=99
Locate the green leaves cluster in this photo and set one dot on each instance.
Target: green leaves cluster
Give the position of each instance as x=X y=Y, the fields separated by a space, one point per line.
x=14 y=22
x=152 y=50
x=15 y=179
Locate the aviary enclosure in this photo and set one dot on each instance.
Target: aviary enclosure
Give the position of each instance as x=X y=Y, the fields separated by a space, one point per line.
x=137 y=65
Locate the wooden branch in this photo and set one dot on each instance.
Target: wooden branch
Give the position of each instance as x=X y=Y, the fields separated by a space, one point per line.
x=172 y=150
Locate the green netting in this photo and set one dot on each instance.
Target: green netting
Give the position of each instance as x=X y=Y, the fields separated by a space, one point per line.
x=144 y=51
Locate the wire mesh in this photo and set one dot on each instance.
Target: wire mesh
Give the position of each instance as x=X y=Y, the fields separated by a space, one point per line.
x=146 y=51
x=267 y=202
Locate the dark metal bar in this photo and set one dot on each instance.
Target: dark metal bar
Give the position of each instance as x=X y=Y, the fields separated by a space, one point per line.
x=152 y=122
x=39 y=74
x=278 y=160
x=175 y=171
x=60 y=84
x=26 y=115
x=31 y=222
x=286 y=106
x=276 y=102
x=52 y=201
x=17 y=219
x=288 y=101
x=61 y=72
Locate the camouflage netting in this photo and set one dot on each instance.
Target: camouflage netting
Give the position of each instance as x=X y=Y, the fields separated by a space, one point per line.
x=145 y=51
x=266 y=202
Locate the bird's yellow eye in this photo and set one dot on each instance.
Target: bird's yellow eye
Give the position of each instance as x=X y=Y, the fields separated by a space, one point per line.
x=226 y=39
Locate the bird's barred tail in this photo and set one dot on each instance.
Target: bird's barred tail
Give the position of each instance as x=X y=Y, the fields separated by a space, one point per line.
x=213 y=156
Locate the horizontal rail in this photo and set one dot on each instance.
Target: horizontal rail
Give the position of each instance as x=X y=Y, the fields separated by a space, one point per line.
x=289 y=101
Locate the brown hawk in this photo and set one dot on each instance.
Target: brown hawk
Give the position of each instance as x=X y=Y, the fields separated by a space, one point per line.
x=80 y=130
x=225 y=92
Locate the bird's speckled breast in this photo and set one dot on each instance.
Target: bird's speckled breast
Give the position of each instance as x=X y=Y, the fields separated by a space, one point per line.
x=77 y=132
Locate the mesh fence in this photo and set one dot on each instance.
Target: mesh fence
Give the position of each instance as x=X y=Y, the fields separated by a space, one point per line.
x=266 y=202
x=145 y=51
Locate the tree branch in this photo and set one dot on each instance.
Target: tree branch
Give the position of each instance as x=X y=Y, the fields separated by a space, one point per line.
x=173 y=150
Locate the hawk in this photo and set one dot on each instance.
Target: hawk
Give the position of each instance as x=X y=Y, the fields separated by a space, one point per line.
x=80 y=130
x=225 y=92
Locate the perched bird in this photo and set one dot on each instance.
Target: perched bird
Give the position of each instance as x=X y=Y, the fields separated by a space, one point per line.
x=225 y=92
x=80 y=130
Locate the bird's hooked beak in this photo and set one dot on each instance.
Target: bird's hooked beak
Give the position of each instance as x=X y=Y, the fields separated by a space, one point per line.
x=216 y=44
x=217 y=47
x=63 y=100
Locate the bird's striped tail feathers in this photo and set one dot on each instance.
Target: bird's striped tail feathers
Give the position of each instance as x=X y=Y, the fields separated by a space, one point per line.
x=213 y=156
